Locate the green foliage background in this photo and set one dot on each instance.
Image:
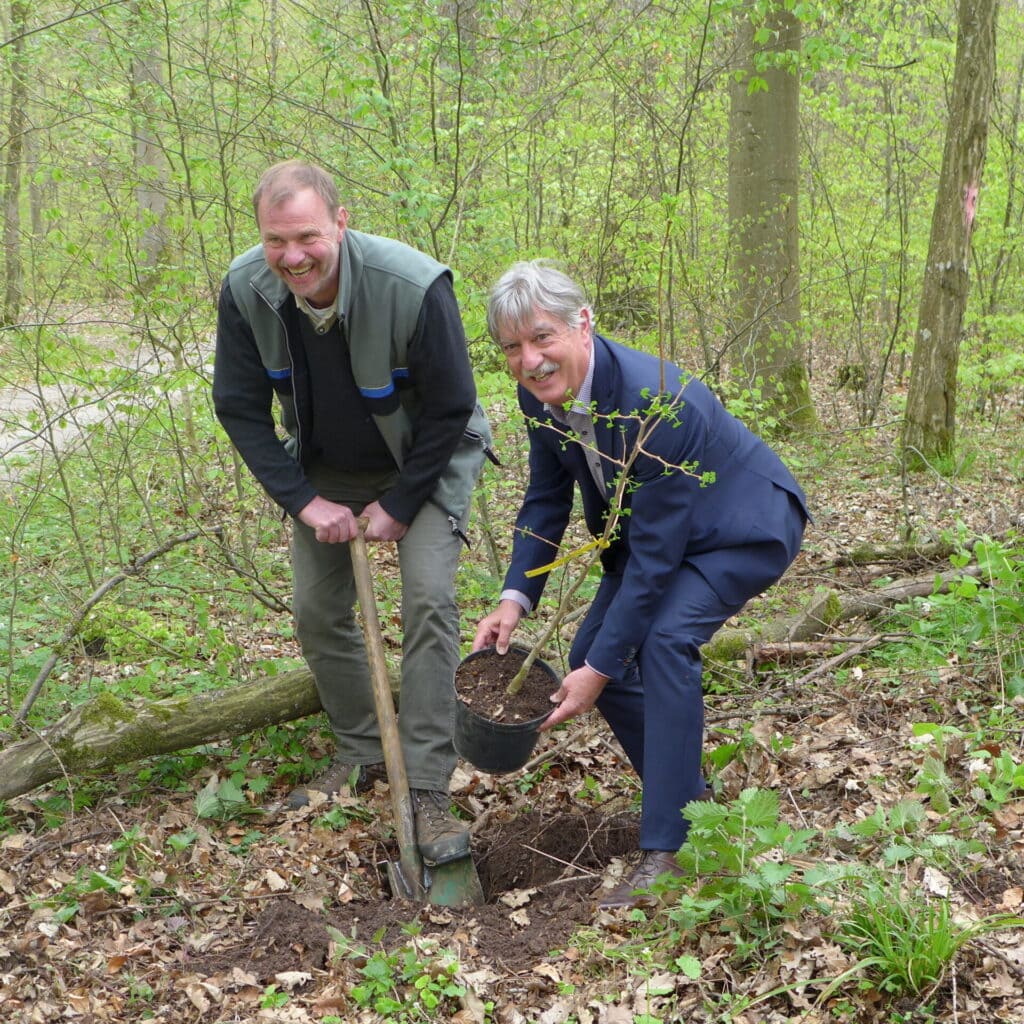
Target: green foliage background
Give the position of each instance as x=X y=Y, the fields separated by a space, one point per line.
x=482 y=132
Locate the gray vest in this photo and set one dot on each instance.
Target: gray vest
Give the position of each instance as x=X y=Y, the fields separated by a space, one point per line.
x=381 y=289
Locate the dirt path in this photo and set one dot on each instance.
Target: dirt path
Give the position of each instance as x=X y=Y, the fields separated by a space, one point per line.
x=39 y=419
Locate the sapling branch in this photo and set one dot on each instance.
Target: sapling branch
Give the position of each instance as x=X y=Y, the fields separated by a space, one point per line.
x=660 y=411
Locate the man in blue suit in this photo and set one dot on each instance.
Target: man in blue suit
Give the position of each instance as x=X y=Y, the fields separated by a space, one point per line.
x=710 y=518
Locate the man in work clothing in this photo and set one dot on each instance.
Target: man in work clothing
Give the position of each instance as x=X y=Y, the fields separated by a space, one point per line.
x=360 y=339
x=688 y=550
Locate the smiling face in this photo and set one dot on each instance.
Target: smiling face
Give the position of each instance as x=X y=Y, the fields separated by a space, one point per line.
x=300 y=243
x=547 y=356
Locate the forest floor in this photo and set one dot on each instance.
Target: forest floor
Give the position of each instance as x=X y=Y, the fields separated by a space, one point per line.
x=108 y=914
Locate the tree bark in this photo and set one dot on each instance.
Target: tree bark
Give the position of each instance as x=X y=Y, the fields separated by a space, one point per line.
x=151 y=169
x=763 y=220
x=106 y=732
x=16 y=128
x=929 y=426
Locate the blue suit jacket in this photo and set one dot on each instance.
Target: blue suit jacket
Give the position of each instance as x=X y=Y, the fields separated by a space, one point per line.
x=726 y=529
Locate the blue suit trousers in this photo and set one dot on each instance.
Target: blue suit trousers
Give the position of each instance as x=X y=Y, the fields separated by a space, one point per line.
x=656 y=708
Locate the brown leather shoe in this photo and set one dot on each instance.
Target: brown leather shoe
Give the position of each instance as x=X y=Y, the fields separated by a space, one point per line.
x=359 y=777
x=653 y=864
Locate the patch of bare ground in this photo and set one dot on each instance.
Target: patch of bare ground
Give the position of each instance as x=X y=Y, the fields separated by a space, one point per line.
x=134 y=909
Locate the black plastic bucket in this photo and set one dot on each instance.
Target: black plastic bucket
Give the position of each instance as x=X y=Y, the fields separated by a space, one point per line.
x=498 y=747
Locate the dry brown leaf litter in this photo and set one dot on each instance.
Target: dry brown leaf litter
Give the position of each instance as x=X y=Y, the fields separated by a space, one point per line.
x=200 y=935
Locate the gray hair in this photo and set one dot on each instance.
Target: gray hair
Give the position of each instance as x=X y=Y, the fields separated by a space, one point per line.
x=533 y=283
x=279 y=183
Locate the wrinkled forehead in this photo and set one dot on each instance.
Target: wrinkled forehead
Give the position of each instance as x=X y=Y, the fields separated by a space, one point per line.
x=527 y=320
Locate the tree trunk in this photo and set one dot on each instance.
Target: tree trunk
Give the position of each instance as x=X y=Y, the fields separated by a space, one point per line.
x=763 y=222
x=106 y=732
x=929 y=426
x=17 y=123
x=151 y=170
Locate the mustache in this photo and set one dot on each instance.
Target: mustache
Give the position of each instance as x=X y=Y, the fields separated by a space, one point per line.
x=546 y=367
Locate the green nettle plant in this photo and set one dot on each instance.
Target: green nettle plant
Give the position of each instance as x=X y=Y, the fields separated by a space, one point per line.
x=899 y=834
x=741 y=873
x=406 y=985
x=905 y=941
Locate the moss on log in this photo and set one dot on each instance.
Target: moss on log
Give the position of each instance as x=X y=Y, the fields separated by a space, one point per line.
x=106 y=732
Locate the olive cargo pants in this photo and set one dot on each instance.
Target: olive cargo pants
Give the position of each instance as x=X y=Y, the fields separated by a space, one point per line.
x=332 y=640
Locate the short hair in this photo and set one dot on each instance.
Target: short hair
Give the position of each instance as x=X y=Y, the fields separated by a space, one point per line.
x=279 y=183
x=533 y=283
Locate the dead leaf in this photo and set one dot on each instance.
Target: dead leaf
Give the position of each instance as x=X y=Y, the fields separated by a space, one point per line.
x=16 y=841
x=274 y=881
x=559 y=1012
x=936 y=882
x=242 y=979
x=292 y=979
x=517 y=897
x=547 y=971
x=311 y=901
x=615 y=1015
x=203 y=995
x=1012 y=898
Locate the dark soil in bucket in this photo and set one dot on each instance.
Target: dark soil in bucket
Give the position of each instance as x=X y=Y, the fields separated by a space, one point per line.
x=481 y=683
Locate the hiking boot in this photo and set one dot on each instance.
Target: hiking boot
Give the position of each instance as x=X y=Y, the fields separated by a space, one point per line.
x=653 y=864
x=358 y=777
x=440 y=836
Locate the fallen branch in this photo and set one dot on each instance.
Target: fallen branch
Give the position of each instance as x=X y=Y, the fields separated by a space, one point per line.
x=826 y=610
x=106 y=732
x=73 y=627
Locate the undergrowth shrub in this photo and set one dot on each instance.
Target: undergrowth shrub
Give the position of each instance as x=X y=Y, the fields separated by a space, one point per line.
x=744 y=873
x=978 y=618
x=904 y=941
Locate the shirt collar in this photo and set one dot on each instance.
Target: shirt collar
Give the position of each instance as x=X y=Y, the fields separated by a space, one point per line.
x=323 y=319
x=581 y=403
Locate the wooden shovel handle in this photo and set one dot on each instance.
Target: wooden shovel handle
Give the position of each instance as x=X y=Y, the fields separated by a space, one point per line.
x=398 y=781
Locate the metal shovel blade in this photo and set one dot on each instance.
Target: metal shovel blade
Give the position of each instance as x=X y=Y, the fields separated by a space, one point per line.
x=455 y=884
x=401 y=888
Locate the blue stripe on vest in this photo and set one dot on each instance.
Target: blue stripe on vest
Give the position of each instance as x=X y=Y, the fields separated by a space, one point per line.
x=279 y=374
x=401 y=373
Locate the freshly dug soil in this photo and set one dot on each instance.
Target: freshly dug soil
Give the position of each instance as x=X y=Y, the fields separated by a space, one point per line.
x=540 y=874
x=481 y=682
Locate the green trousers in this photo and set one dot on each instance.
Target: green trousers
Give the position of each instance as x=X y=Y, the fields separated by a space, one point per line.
x=332 y=641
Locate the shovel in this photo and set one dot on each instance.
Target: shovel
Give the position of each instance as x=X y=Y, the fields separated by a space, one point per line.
x=456 y=883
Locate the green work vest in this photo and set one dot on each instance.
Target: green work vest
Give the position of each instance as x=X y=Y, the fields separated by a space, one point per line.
x=381 y=289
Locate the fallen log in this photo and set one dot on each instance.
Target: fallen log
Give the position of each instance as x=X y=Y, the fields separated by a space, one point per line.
x=106 y=732
x=826 y=610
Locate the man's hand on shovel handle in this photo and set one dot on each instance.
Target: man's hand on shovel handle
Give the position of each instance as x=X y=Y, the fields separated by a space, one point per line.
x=379 y=525
x=332 y=523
